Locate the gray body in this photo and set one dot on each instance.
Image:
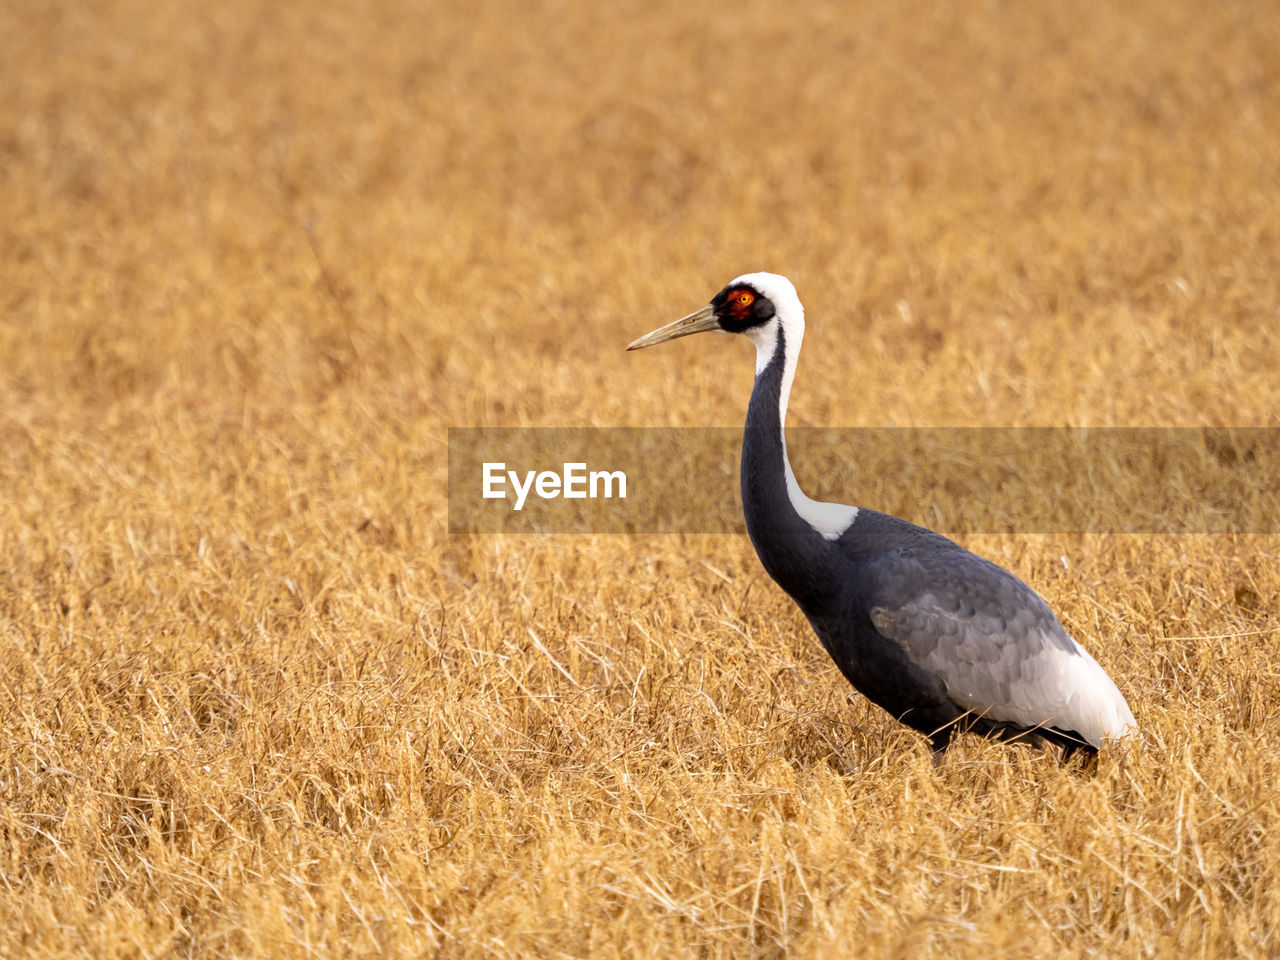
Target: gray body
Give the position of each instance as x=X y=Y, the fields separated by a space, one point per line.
x=934 y=634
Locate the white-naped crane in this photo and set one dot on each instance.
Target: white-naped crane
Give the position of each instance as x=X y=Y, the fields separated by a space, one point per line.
x=940 y=638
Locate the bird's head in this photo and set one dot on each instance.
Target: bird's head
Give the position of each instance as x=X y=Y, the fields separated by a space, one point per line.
x=757 y=304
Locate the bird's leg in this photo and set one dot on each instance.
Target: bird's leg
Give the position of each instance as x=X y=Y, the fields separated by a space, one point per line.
x=939 y=740
x=1088 y=757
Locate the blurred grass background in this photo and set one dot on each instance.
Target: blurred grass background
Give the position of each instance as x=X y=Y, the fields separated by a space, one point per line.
x=255 y=259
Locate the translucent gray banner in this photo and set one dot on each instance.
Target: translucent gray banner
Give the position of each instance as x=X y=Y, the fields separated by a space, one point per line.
x=954 y=480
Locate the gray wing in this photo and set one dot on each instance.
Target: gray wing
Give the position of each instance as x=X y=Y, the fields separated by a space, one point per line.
x=993 y=644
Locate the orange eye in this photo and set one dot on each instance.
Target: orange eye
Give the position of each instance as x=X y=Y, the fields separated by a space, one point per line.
x=745 y=298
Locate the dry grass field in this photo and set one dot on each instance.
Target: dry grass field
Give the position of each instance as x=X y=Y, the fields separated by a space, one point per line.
x=254 y=262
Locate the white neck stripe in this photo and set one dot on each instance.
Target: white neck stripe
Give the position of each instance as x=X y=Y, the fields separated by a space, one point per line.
x=830 y=520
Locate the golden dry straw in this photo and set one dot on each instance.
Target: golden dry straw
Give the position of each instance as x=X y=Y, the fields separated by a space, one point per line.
x=255 y=259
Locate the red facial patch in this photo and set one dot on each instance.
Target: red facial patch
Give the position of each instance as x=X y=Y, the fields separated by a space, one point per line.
x=739 y=304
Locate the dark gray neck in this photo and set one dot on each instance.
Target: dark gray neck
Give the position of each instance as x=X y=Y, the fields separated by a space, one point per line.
x=792 y=551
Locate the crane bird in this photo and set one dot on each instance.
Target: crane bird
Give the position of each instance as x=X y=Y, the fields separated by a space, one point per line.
x=942 y=639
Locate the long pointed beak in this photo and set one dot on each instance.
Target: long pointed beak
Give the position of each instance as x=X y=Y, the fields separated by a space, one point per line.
x=704 y=319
